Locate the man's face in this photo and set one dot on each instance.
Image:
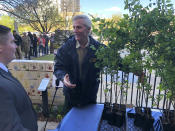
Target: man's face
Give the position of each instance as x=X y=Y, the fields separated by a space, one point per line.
x=80 y=30
x=8 y=49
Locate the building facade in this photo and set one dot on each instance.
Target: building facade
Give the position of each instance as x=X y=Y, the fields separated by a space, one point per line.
x=70 y=5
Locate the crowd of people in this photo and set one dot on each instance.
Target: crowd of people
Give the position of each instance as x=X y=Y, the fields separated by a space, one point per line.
x=32 y=45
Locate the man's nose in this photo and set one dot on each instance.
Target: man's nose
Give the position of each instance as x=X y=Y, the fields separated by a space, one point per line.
x=75 y=30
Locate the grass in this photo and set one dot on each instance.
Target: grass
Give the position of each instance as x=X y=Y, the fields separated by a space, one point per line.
x=49 y=57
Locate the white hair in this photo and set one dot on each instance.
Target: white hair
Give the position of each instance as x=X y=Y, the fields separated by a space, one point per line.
x=87 y=21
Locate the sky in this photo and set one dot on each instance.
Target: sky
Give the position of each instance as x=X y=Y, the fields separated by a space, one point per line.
x=105 y=8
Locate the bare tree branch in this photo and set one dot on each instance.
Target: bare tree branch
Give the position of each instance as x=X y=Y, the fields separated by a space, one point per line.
x=33 y=12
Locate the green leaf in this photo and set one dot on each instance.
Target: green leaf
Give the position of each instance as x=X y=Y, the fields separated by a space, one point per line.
x=169 y=5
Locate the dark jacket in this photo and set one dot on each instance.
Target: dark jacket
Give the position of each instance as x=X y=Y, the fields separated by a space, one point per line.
x=35 y=40
x=18 y=39
x=16 y=111
x=66 y=61
x=46 y=40
x=31 y=39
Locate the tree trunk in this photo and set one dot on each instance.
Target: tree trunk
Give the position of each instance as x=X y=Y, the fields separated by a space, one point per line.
x=16 y=26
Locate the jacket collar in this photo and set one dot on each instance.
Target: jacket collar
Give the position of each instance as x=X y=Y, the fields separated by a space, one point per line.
x=72 y=41
x=8 y=76
x=3 y=67
x=78 y=44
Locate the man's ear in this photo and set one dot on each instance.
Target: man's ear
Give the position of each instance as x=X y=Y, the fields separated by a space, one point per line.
x=89 y=29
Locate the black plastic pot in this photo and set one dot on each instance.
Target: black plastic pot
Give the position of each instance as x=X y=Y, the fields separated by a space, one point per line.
x=119 y=107
x=106 y=111
x=147 y=111
x=139 y=120
x=118 y=118
x=144 y=119
x=167 y=121
x=118 y=115
x=148 y=123
x=139 y=117
x=133 y=115
x=111 y=119
x=169 y=114
x=149 y=120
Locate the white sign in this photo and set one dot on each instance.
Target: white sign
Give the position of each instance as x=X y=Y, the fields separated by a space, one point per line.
x=43 y=84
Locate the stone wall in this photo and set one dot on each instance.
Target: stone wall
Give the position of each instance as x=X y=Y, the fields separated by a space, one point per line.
x=30 y=73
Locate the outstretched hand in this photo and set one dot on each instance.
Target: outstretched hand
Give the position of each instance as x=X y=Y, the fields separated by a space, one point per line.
x=67 y=82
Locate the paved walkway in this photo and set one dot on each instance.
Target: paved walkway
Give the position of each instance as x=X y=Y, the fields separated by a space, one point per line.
x=50 y=125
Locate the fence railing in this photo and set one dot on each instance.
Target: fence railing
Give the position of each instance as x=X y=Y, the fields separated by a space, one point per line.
x=123 y=88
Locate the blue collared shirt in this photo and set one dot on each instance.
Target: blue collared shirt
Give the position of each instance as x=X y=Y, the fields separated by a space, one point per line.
x=2 y=66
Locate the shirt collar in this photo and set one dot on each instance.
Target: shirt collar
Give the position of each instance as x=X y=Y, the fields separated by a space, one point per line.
x=2 y=66
x=78 y=44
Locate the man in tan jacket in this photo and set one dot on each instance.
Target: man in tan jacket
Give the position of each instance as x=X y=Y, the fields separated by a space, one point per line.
x=26 y=44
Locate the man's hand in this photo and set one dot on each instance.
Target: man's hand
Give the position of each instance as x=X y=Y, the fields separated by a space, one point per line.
x=67 y=82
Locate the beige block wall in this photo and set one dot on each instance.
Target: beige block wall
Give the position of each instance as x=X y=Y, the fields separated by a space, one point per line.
x=30 y=73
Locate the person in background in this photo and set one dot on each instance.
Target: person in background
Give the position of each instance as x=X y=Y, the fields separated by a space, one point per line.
x=41 y=42
x=26 y=45
x=18 y=42
x=46 y=48
x=35 y=41
x=52 y=41
x=31 y=44
x=16 y=111
x=75 y=65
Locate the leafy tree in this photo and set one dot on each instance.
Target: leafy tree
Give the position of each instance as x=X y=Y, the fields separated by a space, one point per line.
x=114 y=31
x=9 y=22
x=41 y=15
x=146 y=35
x=153 y=30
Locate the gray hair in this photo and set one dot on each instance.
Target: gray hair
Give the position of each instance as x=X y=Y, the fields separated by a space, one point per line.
x=87 y=21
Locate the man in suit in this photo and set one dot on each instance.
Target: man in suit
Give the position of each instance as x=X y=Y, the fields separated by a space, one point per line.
x=75 y=65
x=16 y=111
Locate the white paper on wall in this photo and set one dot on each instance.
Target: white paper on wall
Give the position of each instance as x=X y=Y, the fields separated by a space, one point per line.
x=43 y=84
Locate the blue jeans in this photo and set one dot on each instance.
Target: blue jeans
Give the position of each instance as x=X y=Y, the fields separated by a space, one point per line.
x=41 y=48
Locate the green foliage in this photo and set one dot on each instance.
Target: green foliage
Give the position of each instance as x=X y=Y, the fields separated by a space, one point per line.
x=153 y=30
x=146 y=36
x=41 y=15
x=106 y=90
x=45 y=57
x=7 y=21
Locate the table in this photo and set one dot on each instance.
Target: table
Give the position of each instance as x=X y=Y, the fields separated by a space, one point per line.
x=82 y=119
x=88 y=119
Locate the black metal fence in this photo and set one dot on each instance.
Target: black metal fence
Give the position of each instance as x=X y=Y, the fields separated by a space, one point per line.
x=124 y=88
